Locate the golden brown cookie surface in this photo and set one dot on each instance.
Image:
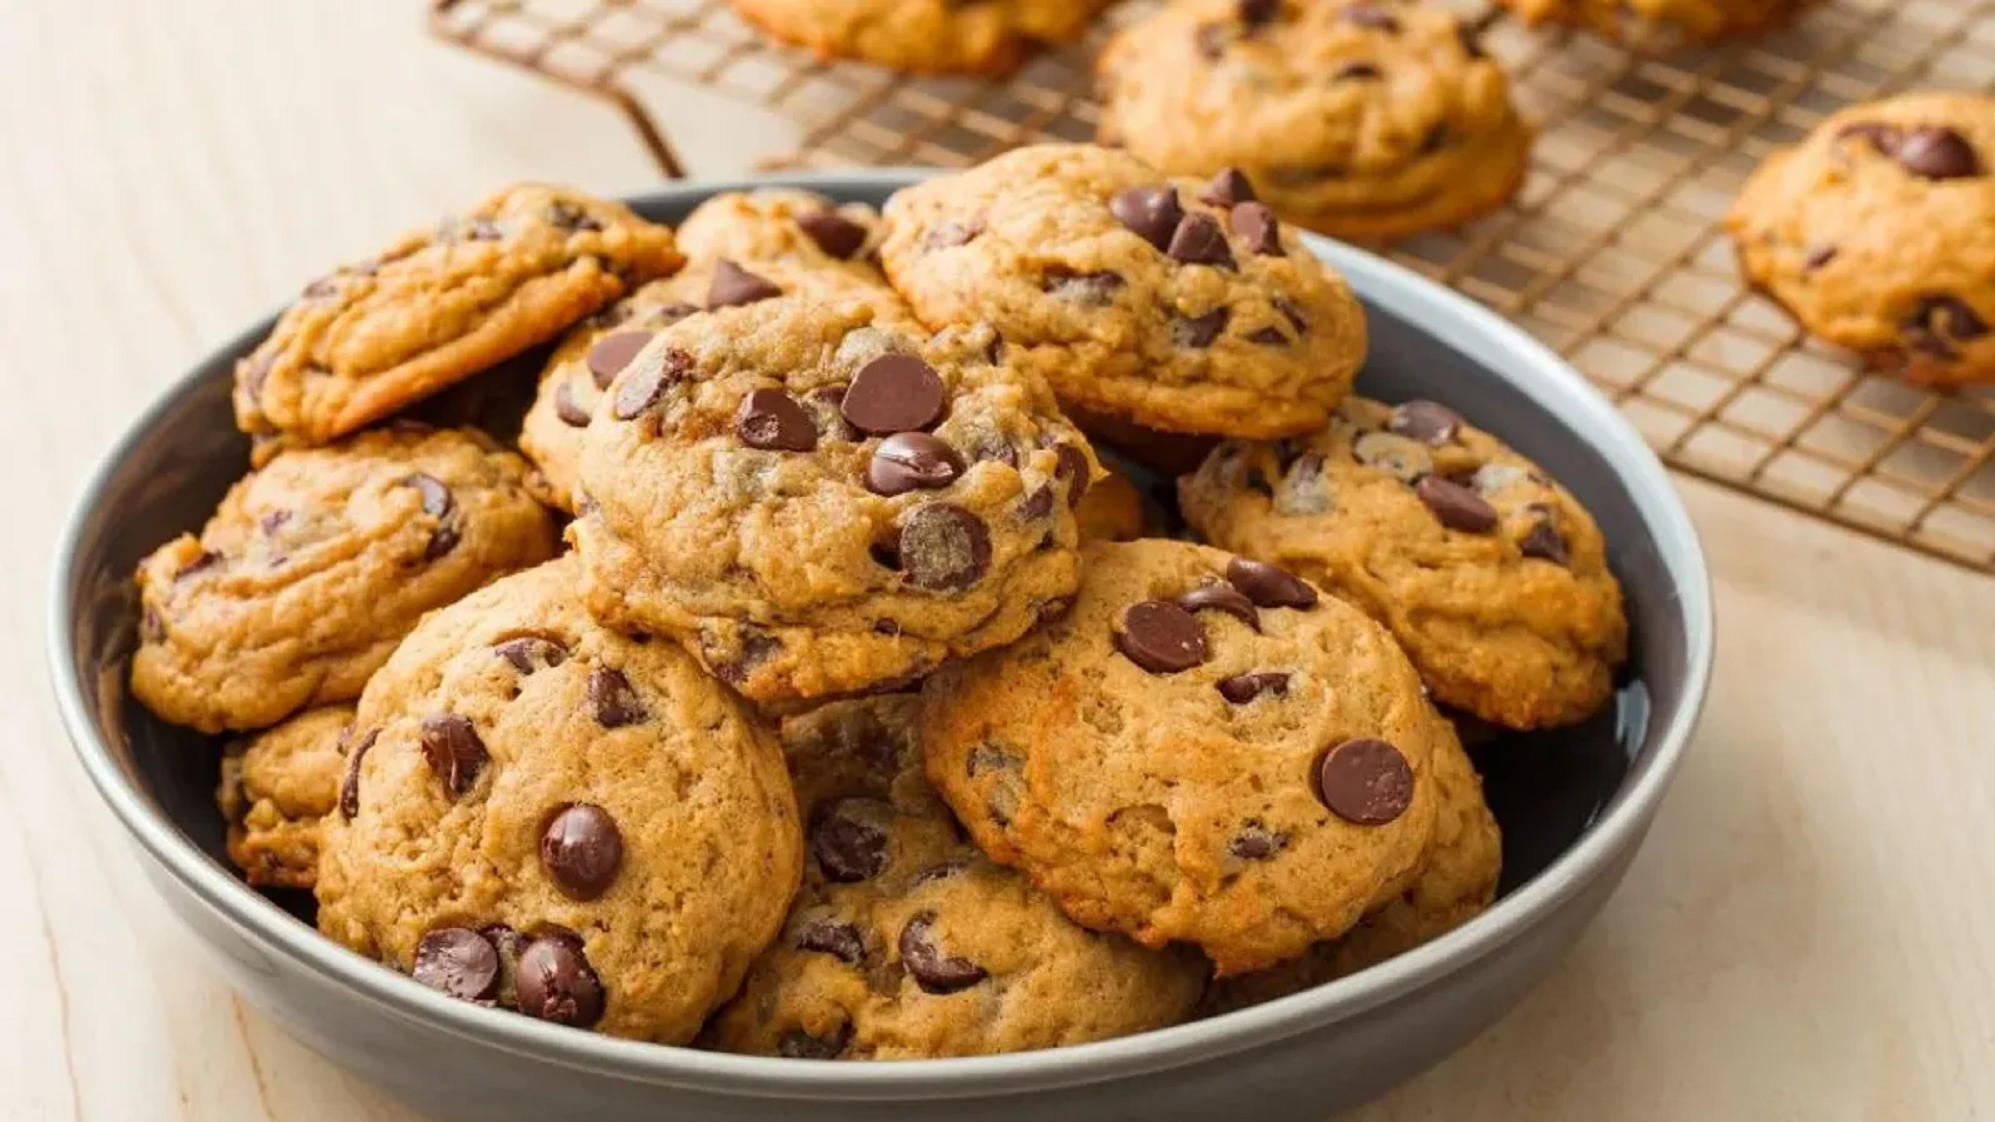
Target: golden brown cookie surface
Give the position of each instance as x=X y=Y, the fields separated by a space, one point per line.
x=276 y=786
x=927 y=36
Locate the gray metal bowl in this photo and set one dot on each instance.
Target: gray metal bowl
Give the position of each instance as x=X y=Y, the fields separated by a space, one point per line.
x=1575 y=805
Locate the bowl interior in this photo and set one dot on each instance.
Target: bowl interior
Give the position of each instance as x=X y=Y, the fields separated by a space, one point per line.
x=1546 y=789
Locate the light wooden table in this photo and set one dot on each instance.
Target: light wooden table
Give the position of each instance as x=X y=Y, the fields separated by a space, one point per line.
x=1808 y=936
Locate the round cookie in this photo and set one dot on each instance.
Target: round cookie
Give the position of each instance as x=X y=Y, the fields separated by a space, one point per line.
x=438 y=306
x=816 y=500
x=906 y=943
x=1661 y=25
x=1877 y=232
x=785 y=224
x=1456 y=885
x=1203 y=750
x=991 y=37
x=591 y=355
x=1492 y=576
x=1134 y=296
x=316 y=565
x=545 y=815
x=275 y=788
x=1360 y=118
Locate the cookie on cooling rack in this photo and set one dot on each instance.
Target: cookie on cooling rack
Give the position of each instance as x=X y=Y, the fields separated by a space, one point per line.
x=924 y=36
x=1661 y=25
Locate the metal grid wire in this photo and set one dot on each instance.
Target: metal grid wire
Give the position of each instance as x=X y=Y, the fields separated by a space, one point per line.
x=1613 y=253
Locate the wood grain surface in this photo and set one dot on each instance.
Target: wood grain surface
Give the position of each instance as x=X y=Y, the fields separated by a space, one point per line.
x=1807 y=936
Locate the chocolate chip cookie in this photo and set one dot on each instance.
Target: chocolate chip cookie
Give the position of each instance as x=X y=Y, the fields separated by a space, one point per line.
x=925 y=36
x=1456 y=885
x=1491 y=575
x=785 y=224
x=596 y=349
x=816 y=500
x=317 y=564
x=1661 y=25
x=275 y=788
x=906 y=943
x=441 y=305
x=1360 y=118
x=1163 y=302
x=541 y=814
x=1203 y=749
x=1877 y=232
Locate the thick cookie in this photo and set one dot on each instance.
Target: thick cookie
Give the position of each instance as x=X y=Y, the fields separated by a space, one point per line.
x=542 y=814
x=1661 y=25
x=1877 y=232
x=275 y=788
x=815 y=500
x=925 y=36
x=439 y=306
x=1491 y=575
x=1456 y=885
x=1359 y=118
x=316 y=565
x=595 y=350
x=1204 y=750
x=787 y=225
x=1134 y=296
x=906 y=943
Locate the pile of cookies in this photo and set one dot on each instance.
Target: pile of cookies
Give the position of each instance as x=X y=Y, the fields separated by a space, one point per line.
x=867 y=714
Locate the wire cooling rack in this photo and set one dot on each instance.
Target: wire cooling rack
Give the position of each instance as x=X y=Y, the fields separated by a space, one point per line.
x=1613 y=253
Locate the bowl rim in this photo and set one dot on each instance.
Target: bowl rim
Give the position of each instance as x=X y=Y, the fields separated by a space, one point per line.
x=1512 y=355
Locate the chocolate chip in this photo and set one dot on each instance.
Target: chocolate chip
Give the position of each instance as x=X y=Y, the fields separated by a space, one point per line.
x=894 y=393
x=1292 y=313
x=1243 y=688
x=848 y=850
x=1152 y=213
x=1365 y=781
x=639 y=392
x=1937 y=323
x=1436 y=139
x=1455 y=506
x=796 y=1044
x=1269 y=336
x=1425 y=421
x=568 y=409
x=1470 y=36
x=1221 y=598
x=1255 y=842
x=454 y=750
x=582 y=849
x=734 y=286
x=931 y=969
x=484 y=230
x=1257 y=13
x=1200 y=241
x=612 y=353
x=1258 y=229
x=1356 y=72
x=941 y=870
x=435 y=496
x=1372 y=16
x=554 y=982
x=1304 y=490
x=1544 y=542
x=1161 y=637
x=1198 y=332
x=459 y=962
x=1037 y=505
x=911 y=461
x=206 y=559
x=349 y=783
x=529 y=653
x=833 y=232
x=1055 y=609
x=1268 y=586
x=944 y=547
x=1934 y=152
x=953 y=233
x=839 y=940
x=1093 y=289
x=773 y=421
x=1229 y=188
x=1819 y=256
x=570 y=217
x=613 y=699
x=1071 y=466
